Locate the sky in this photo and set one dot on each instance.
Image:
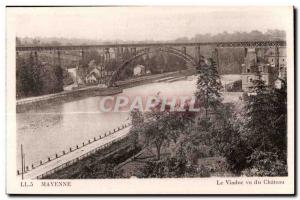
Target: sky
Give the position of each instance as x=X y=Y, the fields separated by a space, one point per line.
x=143 y=23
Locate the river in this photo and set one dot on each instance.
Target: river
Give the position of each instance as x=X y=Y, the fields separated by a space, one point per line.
x=46 y=131
x=50 y=130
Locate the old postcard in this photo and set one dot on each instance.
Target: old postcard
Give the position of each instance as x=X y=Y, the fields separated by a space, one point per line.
x=150 y=100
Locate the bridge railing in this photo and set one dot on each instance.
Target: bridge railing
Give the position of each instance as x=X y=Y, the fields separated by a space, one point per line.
x=218 y=44
x=55 y=156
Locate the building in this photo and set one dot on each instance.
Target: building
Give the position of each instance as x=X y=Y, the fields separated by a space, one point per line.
x=278 y=62
x=93 y=76
x=139 y=70
x=270 y=64
x=98 y=75
x=91 y=79
x=250 y=68
x=75 y=76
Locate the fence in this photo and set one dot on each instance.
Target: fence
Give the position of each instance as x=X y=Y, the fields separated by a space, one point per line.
x=72 y=149
x=71 y=162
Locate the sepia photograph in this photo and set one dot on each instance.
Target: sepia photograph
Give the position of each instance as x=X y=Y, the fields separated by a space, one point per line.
x=150 y=100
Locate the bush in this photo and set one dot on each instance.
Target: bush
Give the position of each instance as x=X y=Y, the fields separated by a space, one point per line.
x=173 y=168
x=197 y=171
x=235 y=87
x=153 y=169
x=236 y=156
x=266 y=164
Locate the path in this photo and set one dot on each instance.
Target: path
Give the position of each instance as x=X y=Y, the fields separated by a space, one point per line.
x=34 y=173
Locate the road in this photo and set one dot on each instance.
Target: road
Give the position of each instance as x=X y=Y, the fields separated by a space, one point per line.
x=34 y=173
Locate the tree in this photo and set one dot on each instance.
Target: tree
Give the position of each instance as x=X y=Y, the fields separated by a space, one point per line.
x=137 y=117
x=137 y=120
x=265 y=129
x=28 y=75
x=208 y=86
x=36 y=42
x=279 y=120
x=159 y=128
x=36 y=76
x=22 y=77
x=216 y=135
x=59 y=77
x=18 y=42
x=55 y=43
x=258 y=110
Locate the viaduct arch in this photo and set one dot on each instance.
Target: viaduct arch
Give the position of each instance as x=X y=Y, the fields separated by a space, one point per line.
x=170 y=50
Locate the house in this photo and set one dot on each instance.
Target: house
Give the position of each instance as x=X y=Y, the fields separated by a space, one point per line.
x=139 y=70
x=278 y=61
x=73 y=72
x=93 y=76
x=250 y=69
x=91 y=79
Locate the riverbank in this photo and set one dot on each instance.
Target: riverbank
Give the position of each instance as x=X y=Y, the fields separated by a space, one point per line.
x=75 y=154
x=23 y=105
x=150 y=79
x=100 y=164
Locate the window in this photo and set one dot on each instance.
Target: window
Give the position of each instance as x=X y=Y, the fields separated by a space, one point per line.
x=248 y=70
